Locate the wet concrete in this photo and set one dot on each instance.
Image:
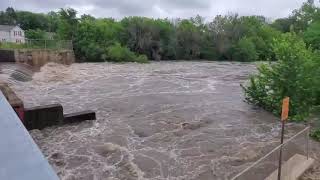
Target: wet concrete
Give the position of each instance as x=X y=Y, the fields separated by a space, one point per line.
x=164 y=120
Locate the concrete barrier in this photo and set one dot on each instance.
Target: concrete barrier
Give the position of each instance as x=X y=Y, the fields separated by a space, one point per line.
x=43 y=116
x=20 y=156
x=15 y=102
x=37 y=57
x=293 y=168
x=79 y=116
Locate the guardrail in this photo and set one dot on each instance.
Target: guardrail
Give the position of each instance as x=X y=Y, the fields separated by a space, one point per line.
x=20 y=157
x=261 y=169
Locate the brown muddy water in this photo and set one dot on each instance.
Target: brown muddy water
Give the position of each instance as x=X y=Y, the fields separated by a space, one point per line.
x=157 y=121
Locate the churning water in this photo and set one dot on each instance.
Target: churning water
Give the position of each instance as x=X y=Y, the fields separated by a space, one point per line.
x=164 y=120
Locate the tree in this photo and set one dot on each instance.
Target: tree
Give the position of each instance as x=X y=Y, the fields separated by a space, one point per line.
x=8 y=17
x=28 y=20
x=35 y=34
x=67 y=24
x=312 y=35
x=93 y=37
x=188 y=40
x=293 y=75
x=244 y=50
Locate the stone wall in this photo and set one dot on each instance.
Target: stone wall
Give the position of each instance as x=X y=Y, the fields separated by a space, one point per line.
x=37 y=57
x=40 y=57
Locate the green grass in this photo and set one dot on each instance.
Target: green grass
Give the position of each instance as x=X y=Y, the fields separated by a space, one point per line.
x=34 y=45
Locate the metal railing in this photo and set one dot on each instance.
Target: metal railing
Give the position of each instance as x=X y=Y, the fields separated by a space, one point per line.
x=38 y=44
x=261 y=169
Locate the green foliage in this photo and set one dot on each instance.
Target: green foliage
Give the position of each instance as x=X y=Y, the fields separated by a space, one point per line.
x=67 y=23
x=8 y=45
x=293 y=75
x=35 y=34
x=152 y=37
x=312 y=35
x=8 y=17
x=92 y=37
x=119 y=53
x=230 y=37
x=188 y=40
x=245 y=50
x=283 y=24
x=315 y=134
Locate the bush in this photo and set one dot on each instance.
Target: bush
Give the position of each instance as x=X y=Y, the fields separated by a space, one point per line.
x=293 y=76
x=142 y=59
x=35 y=34
x=119 y=53
x=316 y=134
x=245 y=50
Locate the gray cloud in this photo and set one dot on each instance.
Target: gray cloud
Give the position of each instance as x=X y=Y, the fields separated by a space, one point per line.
x=161 y=8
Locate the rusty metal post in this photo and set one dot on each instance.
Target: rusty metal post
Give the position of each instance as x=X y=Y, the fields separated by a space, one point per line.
x=280 y=155
x=308 y=142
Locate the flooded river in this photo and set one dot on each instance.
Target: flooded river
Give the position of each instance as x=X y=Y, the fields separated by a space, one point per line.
x=164 y=120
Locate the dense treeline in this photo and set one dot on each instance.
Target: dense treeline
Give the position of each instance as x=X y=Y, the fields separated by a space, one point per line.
x=230 y=37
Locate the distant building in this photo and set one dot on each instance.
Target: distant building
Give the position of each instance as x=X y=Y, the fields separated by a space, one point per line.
x=12 y=34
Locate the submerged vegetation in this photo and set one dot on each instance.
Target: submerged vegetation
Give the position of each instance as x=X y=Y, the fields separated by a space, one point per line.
x=290 y=46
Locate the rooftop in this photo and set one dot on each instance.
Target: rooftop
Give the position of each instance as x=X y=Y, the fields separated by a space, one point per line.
x=6 y=27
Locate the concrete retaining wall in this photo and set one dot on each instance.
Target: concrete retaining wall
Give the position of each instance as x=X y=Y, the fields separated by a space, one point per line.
x=7 y=56
x=37 y=57
x=41 y=57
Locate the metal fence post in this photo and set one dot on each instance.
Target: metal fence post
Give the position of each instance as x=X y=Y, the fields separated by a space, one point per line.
x=308 y=142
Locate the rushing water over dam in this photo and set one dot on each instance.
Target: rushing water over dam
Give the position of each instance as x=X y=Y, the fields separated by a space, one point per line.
x=164 y=120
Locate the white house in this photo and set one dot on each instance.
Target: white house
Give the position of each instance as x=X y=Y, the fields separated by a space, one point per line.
x=12 y=34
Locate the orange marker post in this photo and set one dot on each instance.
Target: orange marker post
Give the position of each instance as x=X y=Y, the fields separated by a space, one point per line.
x=284 y=118
x=285 y=109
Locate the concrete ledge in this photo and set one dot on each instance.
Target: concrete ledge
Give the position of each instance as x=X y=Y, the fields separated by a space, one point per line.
x=12 y=98
x=293 y=168
x=79 y=117
x=43 y=116
x=15 y=102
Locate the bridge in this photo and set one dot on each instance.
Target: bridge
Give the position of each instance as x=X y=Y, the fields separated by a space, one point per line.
x=20 y=157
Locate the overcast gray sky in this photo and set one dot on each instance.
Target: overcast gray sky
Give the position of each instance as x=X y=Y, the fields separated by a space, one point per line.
x=161 y=8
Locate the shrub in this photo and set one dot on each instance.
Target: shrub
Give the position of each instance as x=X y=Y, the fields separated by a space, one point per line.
x=142 y=59
x=315 y=134
x=35 y=34
x=119 y=53
x=293 y=75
